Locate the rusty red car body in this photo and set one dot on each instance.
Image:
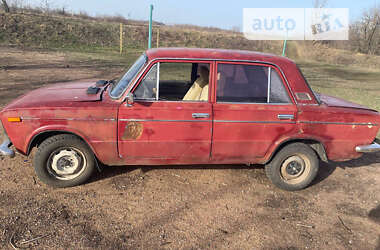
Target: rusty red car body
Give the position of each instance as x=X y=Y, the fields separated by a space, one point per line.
x=164 y=132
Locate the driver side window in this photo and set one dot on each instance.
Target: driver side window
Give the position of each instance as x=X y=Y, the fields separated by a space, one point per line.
x=147 y=88
x=175 y=81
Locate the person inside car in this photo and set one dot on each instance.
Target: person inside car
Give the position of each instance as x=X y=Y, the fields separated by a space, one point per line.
x=199 y=89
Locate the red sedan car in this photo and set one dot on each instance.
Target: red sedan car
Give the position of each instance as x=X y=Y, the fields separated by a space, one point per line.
x=189 y=106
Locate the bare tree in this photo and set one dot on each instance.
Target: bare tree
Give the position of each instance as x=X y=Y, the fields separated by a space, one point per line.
x=364 y=34
x=45 y=4
x=371 y=23
x=5 y=6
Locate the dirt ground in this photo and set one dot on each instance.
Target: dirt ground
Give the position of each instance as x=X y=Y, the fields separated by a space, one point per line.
x=191 y=207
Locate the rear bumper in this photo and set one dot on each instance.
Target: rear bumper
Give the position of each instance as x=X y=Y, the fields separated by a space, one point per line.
x=5 y=149
x=374 y=147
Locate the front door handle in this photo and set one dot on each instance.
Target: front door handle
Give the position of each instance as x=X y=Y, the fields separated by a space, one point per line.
x=285 y=117
x=201 y=115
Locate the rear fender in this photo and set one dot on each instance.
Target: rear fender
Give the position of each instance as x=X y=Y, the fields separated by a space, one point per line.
x=314 y=143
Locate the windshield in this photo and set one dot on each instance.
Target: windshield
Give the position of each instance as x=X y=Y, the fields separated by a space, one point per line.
x=123 y=84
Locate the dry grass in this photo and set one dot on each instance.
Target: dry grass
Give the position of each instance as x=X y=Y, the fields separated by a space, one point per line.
x=76 y=33
x=307 y=51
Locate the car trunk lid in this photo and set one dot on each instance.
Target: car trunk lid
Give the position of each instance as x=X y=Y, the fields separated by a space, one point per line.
x=337 y=102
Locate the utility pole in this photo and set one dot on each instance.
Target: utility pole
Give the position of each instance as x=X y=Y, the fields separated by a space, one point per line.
x=121 y=38
x=150 y=27
x=285 y=43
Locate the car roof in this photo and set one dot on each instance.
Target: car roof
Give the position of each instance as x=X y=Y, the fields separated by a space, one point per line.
x=215 y=54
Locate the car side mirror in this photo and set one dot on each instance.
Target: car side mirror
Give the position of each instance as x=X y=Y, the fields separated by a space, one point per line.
x=130 y=99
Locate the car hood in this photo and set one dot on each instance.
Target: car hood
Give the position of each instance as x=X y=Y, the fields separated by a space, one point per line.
x=60 y=94
x=337 y=102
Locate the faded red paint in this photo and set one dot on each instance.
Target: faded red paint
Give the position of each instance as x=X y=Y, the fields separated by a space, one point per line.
x=162 y=132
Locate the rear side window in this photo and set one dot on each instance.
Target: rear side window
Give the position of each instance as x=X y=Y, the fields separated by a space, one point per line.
x=250 y=84
x=278 y=93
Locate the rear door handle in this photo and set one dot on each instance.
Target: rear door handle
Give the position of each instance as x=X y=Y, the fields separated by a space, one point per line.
x=285 y=117
x=201 y=115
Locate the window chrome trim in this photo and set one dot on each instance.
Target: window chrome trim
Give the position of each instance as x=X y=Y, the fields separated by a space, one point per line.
x=269 y=84
x=262 y=103
x=218 y=60
x=158 y=82
x=181 y=101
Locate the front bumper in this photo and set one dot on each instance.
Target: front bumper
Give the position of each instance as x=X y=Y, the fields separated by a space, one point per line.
x=5 y=145
x=374 y=147
x=4 y=148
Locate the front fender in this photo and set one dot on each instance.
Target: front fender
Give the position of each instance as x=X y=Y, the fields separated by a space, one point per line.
x=54 y=129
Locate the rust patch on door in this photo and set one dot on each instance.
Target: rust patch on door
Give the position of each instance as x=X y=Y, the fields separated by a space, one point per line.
x=133 y=131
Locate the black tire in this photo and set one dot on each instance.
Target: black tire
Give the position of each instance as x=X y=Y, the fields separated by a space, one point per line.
x=294 y=167
x=60 y=154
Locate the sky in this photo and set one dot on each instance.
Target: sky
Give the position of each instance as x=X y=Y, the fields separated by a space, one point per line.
x=224 y=14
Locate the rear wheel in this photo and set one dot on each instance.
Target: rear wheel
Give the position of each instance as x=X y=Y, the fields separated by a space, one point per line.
x=64 y=161
x=294 y=167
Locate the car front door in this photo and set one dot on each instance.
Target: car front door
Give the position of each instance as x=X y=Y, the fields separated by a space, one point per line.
x=253 y=110
x=162 y=126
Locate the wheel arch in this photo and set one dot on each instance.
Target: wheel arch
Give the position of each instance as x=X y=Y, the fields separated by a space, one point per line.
x=39 y=137
x=315 y=144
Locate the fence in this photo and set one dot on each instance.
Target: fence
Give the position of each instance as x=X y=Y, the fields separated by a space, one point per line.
x=122 y=34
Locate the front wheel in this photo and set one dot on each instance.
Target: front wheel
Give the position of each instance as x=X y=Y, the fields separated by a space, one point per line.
x=294 y=167
x=64 y=161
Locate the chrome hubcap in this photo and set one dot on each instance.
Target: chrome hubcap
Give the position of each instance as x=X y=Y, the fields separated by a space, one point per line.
x=66 y=163
x=295 y=169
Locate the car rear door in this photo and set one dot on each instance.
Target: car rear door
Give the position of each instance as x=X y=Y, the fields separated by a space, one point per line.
x=253 y=110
